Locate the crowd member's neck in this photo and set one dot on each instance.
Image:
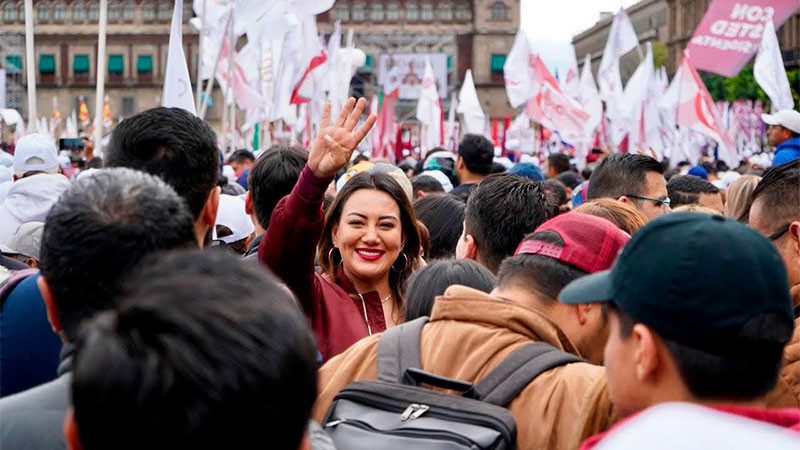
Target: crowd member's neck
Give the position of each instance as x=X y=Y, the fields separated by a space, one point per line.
x=571 y=319
x=468 y=177
x=207 y=217
x=379 y=285
x=248 y=208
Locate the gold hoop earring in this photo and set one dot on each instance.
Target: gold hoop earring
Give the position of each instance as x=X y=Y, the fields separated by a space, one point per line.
x=405 y=266
x=330 y=256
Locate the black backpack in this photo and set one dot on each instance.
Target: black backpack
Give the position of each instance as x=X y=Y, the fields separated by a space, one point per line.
x=396 y=412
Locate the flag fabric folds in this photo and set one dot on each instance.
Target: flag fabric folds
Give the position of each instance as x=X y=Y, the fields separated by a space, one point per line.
x=469 y=106
x=769 y=71
x=429 y=110
x=177 y=84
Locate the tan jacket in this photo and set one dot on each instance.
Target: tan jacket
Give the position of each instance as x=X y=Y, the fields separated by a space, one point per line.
x=468 y=335
x=787 y=392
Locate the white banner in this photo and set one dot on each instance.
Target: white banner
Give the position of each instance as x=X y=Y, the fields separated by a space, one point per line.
x=407 y=70
x=2 y=88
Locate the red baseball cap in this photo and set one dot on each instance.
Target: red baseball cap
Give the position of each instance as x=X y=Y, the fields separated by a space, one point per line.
x=591 y=243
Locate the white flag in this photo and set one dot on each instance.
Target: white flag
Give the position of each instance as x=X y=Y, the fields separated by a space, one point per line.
x=470 y=107
x=429 y=110
x=517 y=72
x=451 y=132
x=769 y=71
x=589 y=97
x=177 y=84
x=570 y=82
x=635 y=108
x=621 y=39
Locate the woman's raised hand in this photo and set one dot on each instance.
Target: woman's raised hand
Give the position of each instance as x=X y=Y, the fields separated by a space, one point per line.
x=335 y=142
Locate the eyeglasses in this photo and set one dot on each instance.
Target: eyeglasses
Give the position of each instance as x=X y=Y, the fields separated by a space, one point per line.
x=776 y=235
x=658 y=201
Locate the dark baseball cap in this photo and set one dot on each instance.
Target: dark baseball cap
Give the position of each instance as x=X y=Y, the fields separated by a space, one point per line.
x=477 y=152
x=695 y=279
x=590 y=243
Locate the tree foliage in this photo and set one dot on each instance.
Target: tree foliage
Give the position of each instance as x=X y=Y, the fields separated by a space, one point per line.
x=744 y=86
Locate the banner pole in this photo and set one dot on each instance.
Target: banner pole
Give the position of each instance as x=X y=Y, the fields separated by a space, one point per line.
x=100 y=70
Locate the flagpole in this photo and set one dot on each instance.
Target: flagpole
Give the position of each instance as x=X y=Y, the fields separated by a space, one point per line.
x=201 y=39
x=31 y=67
x=101 y=78
x=232 y=111
x=210 y=84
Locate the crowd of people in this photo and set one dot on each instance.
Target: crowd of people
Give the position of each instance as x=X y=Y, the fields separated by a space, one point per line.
x=169 y=297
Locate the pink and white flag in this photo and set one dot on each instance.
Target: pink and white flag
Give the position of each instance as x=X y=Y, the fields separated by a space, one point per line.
x=472 y=116
x=696 y=111
x=517 y=71
x=429 y=110
x=621 y=39
x=590 y=97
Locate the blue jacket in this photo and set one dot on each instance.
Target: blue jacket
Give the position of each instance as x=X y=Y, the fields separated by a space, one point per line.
x=788 y=151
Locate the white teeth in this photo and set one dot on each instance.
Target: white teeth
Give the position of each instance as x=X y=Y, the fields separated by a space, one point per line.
x=366 y=253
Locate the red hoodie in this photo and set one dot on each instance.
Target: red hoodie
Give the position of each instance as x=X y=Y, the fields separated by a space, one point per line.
x=785 y=418
x=338 y=314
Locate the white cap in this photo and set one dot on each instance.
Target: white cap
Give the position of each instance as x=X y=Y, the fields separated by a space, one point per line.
x=786 y=118
x=440 y=177
x=35 y=152
x=231 y=214
x=26 y=241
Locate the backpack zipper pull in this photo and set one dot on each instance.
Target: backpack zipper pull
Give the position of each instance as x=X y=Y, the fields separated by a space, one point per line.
x=333 y=423
x=413 y=412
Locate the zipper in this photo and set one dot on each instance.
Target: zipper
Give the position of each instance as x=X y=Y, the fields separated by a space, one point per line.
x=381 y=402
x=364 y=308
x=413 y=411
x=405 y=432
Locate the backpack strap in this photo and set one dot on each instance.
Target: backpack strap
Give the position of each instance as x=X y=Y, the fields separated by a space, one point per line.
x=398 y=350
x=507 y=380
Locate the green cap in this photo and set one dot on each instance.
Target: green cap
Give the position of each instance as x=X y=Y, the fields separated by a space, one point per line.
x=695 y=279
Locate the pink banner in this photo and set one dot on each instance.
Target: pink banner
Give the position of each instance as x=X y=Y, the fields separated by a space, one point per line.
x=730 y=32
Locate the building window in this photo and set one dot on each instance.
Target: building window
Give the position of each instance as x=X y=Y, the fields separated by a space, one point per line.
x=341 y=12
x=426 y=12
x=144 y=66
x=128 y=106
x=116 y=67
x=59 y=12
x=412 y=12
x=496 y=66
x=463 y=11
x=80 y=67
x=499 y=11
x=9 y=12
x=359 y=12
x=187 y=12
x=164 y=12
x=148 y=12
x=376 y=12
x=13 y=62
x=78 y=13
x=47 y=65
x=113 y=12
x=43 y=12
x=94 y=12
x=446 y=12
x=393 y=12
x=128 y=12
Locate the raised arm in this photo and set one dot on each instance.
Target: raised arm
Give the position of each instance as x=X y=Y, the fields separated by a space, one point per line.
x=290 y=244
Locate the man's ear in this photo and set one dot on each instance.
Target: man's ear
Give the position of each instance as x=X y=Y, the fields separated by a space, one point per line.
x=471 y=248
x=647 y=356
x=794 y=236
x=248 y=204
x=70 y=430
x=420 y=194
x=50 y=303
x=582 y=312
x=209 y=213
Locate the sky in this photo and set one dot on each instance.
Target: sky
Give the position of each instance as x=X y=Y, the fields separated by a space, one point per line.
x=551 y=24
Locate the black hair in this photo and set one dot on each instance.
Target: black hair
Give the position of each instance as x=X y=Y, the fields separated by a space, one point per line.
x=559 y=162
x=241 y=155
x=498 y=168
x=203 y=349
x=556 y=190
x=273 y=177
x=570 y=179
x=779 y=190
x=747 y=371
x=99 y=230
x=432 y=280
x=474 y=148
x=172 y=144
x=538 y=273
x=686 y=190
x=443 y=215
x=501 y=210
x=239 y=247
x=425 y=183
x=621 y=174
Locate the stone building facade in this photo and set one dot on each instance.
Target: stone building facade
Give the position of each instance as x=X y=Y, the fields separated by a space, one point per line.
x=474 y=34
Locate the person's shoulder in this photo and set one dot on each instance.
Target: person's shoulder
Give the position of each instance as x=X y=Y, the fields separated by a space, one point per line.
x=34 y=418
x=53 y=395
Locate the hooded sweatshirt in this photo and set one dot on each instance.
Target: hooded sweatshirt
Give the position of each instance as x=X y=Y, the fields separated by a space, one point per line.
x=788 y=151
x=29 y=199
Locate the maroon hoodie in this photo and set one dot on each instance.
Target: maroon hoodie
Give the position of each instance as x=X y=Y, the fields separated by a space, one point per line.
x=338 y=314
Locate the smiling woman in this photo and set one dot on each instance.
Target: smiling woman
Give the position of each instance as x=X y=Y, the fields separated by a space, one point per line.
x=368 y=243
